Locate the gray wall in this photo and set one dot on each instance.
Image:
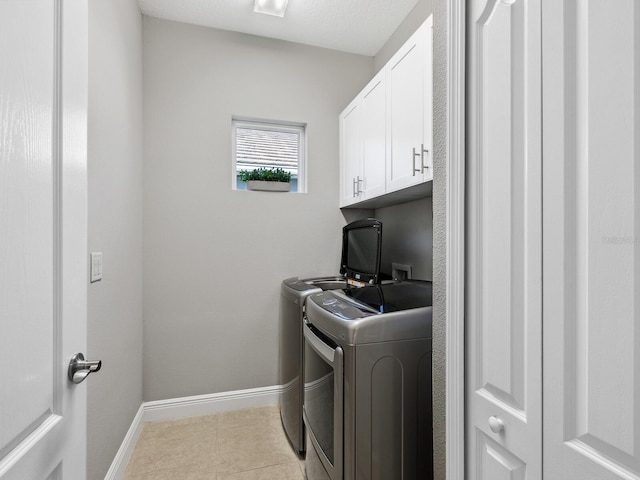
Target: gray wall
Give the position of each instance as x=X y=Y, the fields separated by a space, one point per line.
x=213 y=257
x=407 y=230
x=420 y=12
x=440 y=126
x=115 y=225
x=416 y=17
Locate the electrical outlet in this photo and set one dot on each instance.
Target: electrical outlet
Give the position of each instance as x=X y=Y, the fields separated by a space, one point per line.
x=400 y=272
x=96 y=266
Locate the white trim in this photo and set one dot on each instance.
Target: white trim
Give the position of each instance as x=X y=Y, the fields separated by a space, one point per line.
x=176 y=408
x=209 y=404
x=119 y=464
x=455 y=231
x=25 y=446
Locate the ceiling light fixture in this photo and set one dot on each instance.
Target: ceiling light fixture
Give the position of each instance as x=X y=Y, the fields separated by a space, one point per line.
x=271 y=7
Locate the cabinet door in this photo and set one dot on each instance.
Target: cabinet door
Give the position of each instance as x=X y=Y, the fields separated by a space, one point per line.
x=591 y=58
x=405 y=104
x=350 y=153
x=428 y=102
x=504 y=249
x=374 y=137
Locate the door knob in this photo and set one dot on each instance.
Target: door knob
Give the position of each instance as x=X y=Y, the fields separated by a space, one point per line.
x=79 y=368
x=496 y=425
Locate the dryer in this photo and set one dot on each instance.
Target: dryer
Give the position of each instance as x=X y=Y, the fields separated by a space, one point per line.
x=293 y=296
x=360 y=265
x=367 y=383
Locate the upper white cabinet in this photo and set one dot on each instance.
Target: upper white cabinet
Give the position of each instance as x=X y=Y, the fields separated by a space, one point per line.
x=350 y=152
x=373 y=138
x=363 y=144
x=386 y=131
x=410 y=107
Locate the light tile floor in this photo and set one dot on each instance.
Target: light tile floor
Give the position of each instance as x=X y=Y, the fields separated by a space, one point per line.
x=240 y=445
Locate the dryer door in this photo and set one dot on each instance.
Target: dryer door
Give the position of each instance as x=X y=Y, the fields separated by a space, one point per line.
x=324 y=400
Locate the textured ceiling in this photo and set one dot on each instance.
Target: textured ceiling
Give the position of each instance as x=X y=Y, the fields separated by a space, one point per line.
x=355 y=26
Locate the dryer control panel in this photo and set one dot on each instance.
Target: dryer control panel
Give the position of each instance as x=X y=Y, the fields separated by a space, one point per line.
x=345 y=310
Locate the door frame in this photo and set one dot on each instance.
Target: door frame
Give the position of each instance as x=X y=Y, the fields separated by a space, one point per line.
x=455 y=238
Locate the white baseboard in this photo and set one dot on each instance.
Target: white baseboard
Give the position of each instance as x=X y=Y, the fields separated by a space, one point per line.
x=176 y=408
x=123 y=455
x=209 y=404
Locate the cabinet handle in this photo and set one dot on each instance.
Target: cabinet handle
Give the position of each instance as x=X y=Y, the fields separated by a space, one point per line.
x=353 y=188
x=360 y=180
x=414 y=161
x=424 y=151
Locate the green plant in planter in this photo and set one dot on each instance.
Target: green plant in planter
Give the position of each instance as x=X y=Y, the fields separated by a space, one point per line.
x=265 y=175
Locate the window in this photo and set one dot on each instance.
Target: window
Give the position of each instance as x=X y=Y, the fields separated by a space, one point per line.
x=265 y=144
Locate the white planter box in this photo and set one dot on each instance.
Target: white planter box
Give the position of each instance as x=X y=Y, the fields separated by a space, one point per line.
x=268 y=186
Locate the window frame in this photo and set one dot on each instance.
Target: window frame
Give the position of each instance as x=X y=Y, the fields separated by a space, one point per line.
x=298 y=128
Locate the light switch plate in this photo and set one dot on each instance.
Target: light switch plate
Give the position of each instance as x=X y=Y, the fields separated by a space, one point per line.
x=96 y=266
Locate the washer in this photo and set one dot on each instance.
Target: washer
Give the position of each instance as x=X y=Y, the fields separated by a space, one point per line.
x=367 y=383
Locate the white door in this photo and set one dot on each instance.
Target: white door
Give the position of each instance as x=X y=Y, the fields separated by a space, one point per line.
x=350 y=153
x=405 y=104
x=504 y=303
x=43 y=87
x=374 y=123
x=591 y=60
x=427 y=134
